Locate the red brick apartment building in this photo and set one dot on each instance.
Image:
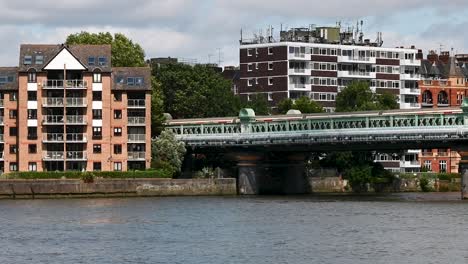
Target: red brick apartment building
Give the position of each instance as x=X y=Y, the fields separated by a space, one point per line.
x=66 y=108
x=443 y=84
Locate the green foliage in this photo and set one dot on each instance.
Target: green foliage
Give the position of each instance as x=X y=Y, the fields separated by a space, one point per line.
x=303 y=104
x=358 y=97
x=424 y=184
x=359 y=177
x=448 y=176
x=259 y=103
x=167 y=150
x=205 y=173
x=87 y=176
x=157 y=108
x=195 y=91
x=125 y=53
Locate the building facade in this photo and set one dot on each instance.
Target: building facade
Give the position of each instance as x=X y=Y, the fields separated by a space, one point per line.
x=66 y=108
x=281 y=70
x=444 y=84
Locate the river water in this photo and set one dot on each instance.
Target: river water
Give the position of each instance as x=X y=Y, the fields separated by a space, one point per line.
x=399 y=228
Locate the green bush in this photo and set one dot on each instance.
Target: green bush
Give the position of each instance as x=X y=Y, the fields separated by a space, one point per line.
x=424 y=184
x=448 y=176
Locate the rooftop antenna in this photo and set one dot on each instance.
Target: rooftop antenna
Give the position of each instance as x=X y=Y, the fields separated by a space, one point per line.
x=440 y=48
x=209 y=58
x=219 y=56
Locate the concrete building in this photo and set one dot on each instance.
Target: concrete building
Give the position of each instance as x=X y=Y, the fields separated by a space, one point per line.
x=320 y=65
x=444 y=84
x=66 y=108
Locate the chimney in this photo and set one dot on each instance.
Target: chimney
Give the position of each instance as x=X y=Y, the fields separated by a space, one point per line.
x=419 y=55
x=432 y=56
x=413 y=47
x=444 y=57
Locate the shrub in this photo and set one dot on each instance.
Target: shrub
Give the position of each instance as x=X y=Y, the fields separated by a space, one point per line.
x=205 y=173
x=424 y=184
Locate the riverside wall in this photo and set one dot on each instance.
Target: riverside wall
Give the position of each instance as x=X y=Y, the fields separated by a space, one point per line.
x=115 y=187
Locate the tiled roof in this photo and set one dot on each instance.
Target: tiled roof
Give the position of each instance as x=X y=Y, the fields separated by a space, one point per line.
x=443 y=70
x=123 y=73
x=81 y=52
x=9 y=71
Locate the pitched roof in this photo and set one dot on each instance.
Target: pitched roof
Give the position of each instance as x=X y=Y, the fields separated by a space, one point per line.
x=120 y=76
x=9 y=72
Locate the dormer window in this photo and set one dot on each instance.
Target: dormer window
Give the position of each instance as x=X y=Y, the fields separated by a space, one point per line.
x=130 y=81
x=91 y=61
x=119 y=80
x=102 y=61
x=139 y=81
x=39 y=59
x=27 y=60
x=135 y=81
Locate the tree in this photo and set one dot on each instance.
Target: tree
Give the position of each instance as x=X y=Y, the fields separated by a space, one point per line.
x=125 y=53
x=285 y=105
x=167 y=152
x=157 y=108
x=359 y=97
x=259 y=103
x=303 y=104
x=195 y=91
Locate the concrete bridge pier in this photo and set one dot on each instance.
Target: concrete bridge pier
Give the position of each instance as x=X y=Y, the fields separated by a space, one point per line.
x=250 y=172
x=294 y=174
x=463 y=170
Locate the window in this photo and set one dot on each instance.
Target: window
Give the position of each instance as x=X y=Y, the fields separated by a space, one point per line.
x=27 y=60
x=249 y=52
x=270 y=81
x=32 y=113
x=13 y=114
x=13 y=166
x=97 y=166
x=256 y=80
x=270 y=50
x=102 y=61
x=117 y=96
x=256 y=66
x=249 y=98
x=32 y=133
x=270 y=97
x=13 y=96
x=97 y=96
x=117 y=114
x=120 y=80
x=130 y=81
x=91 y=61
x=270 y=66
x=118 y=149
x=139 y=81
x=117 y=166
x=32 y=77
x=97 y=148
x=97 y=78
x=443 y=166
x=97 y=132
x=249 y=67
x=13 y=149
x=134 y=81
x=117 y=131
x=32 y=95
x=97 y=114
x=32 y=148
x=32 y=166
x=249 y=82
x=39 y=59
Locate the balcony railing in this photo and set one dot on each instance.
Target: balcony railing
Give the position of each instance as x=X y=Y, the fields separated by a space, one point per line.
x=136 y=103
x=1 y=120
x=58 y=119
x=136 y=137
x=61 y=84
x=59 y=137
x=2 y=138
x=53 y=155
x=1 y=102
x=76 y=119
x=136 y=155
x=59 y=155
x=71 y=102
x=76 y=155
x=136 y=120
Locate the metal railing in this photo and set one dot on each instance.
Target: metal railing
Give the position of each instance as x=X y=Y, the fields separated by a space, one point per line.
x=136 y=120
x=1 y=120
x=136 y=103
x=61 y=84
x=53 y=155
x=58 y=119
x=76 y=155
x=59 y=137
x=1 y=103
x=136 y=155
x=71 y=102
x=136 y=137
x=76 y=119
x=2 y=137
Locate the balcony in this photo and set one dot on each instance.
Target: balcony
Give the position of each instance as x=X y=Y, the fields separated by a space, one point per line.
x=410 y=76
x=357 y=59
x=1 y=103
x=2 y=156
x=299 y=56
x=410 y=164
x=299 y=71
x=427 y=154
x=410 y=62
x=53 y=155
x=58 y=102
x=136 y=120
x=136 y=103
x=59 y=119
x=59 y=137
x=62 y=84
x=1 y=120
x=357 y=74
x=136 y=155
x=300 y=86
x=136 y=138
x=2 y=138
x=59 y=155
x=410 y=91
x=410 y=105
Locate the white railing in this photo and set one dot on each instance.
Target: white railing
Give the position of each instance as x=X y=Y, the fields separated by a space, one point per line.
x=136 y=103
x=365 y=74
x=59 y=137
x=76 y=101
x=76 y=119
x=53 y=119
x=76 y=155
x=53 y=155
x=71 y=102
x=136 y=137
x=61 y=84
x=136 y=155
x=134 y=120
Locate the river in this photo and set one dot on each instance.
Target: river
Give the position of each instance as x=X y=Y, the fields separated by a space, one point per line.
x=399 y=228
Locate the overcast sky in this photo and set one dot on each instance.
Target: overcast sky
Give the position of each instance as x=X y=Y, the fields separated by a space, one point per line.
x=199 y=29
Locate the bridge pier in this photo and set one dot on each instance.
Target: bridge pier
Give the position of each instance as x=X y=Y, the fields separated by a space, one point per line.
x=294 y=174
x=250 y=172
x=463 y=170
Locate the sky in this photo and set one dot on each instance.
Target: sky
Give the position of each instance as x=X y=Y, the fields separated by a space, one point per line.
x=209 y=30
